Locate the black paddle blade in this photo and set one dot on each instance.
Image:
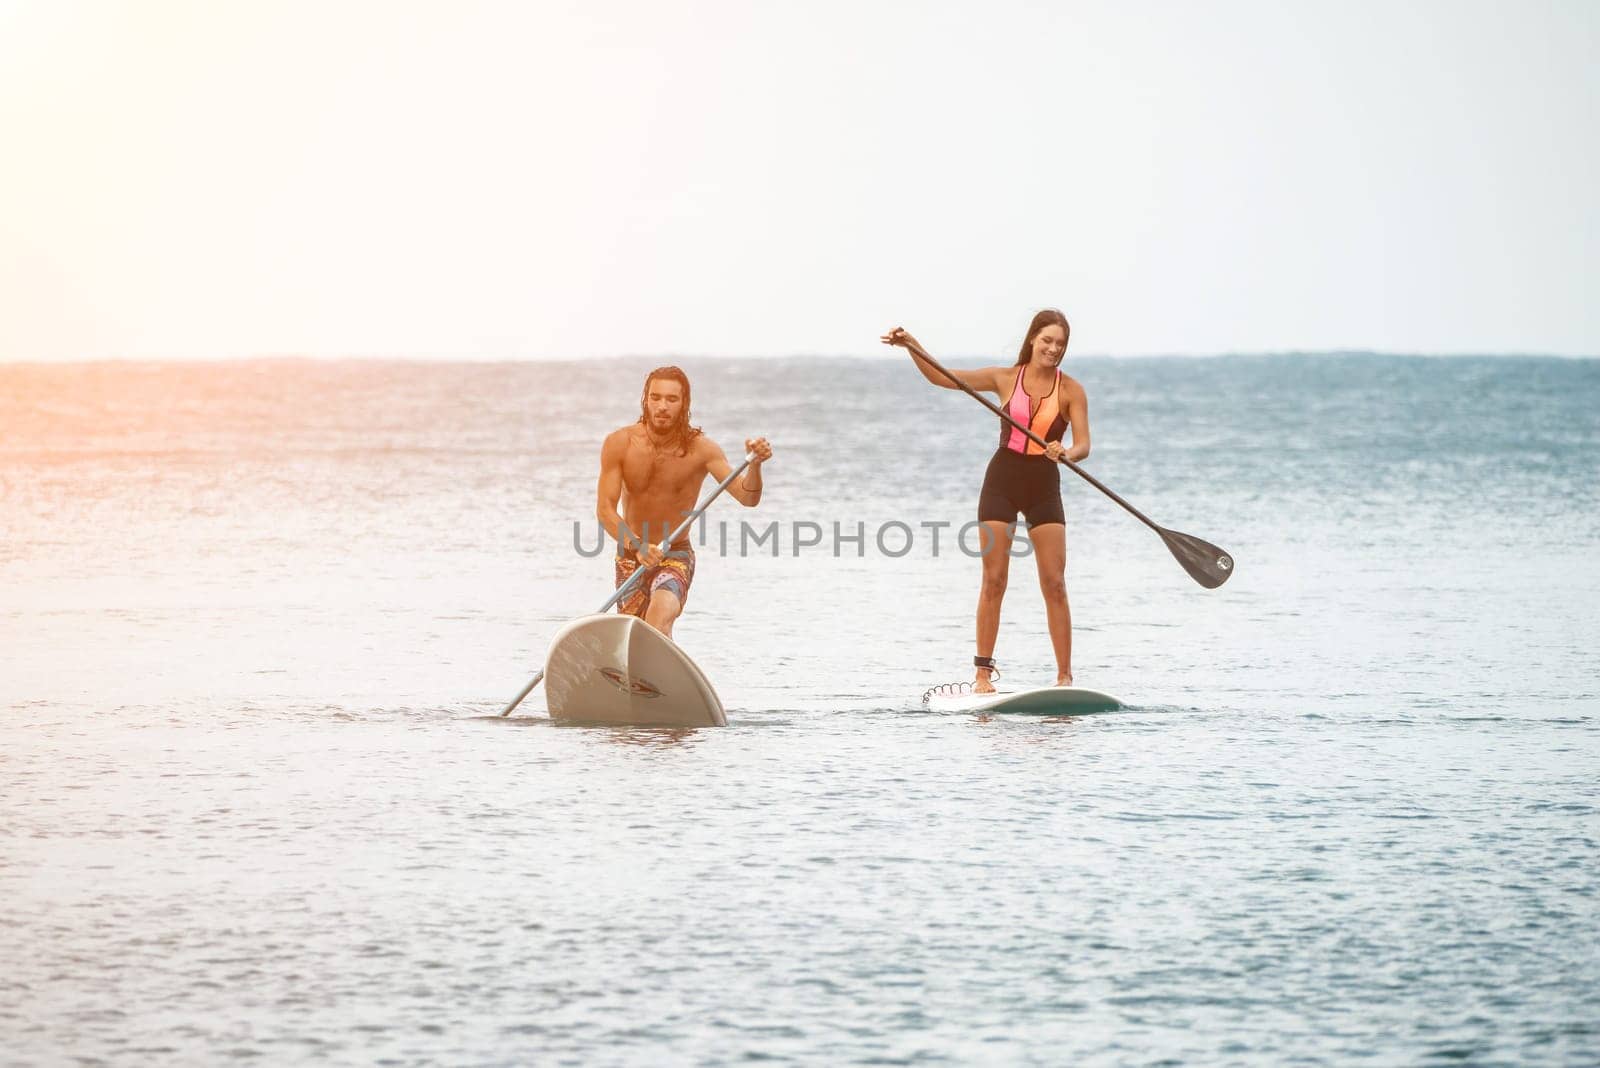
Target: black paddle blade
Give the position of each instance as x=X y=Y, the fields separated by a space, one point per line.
x=1206 y=564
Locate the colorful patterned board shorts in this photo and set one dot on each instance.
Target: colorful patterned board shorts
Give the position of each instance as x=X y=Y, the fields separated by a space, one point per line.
x=673 y=574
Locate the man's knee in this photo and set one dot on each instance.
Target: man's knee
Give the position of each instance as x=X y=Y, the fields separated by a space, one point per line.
x=664 y=608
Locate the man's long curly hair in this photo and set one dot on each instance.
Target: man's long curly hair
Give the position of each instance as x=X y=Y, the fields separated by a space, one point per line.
x=681 y=433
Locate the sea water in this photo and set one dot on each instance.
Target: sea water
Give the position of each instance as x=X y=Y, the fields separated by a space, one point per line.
x=257 y=618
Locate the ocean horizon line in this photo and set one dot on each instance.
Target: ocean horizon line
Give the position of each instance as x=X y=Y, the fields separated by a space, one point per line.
x=679 y=357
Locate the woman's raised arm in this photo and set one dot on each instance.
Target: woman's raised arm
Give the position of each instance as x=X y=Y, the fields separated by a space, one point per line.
x=989 y=378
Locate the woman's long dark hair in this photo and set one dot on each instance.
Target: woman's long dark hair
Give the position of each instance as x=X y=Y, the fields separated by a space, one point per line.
x=1048 y=317
x=681 y=433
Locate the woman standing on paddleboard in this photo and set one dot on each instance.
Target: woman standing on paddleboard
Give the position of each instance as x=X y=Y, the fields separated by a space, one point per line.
x=1024 y=478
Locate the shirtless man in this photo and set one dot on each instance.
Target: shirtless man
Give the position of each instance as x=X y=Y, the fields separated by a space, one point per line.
x=661 y=461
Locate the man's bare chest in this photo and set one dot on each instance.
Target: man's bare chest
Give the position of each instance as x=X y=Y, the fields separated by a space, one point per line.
x=648 y=473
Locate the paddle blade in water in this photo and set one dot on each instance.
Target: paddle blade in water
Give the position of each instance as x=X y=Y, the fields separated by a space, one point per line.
x=1206 y=564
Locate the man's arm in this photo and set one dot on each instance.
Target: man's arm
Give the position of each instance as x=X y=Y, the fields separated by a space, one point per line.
x=746 y=489
x=609 y=491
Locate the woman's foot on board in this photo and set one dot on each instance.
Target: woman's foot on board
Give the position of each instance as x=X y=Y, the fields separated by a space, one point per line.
x=983 y=678
x=1064 y=678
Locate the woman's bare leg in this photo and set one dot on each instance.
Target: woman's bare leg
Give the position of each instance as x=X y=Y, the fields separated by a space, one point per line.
x=1050 y=550
x=996 y=566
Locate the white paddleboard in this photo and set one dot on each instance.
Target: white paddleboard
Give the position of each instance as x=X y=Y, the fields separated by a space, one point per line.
x=618 y=669
x=1044 y=701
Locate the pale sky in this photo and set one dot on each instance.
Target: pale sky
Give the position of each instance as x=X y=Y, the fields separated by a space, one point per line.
x=544 y=179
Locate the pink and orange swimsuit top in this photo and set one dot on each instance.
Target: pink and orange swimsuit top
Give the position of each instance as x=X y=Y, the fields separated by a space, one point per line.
x=1048 y=421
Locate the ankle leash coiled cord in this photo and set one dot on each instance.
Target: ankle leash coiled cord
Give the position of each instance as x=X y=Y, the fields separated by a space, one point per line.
x=960 y=689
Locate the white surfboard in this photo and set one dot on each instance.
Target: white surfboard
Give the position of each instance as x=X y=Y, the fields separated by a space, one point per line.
x=618 y=669
x=1044 y=701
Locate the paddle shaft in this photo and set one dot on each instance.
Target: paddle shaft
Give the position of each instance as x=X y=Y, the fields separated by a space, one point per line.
x=918 y=352
x=622 y=590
